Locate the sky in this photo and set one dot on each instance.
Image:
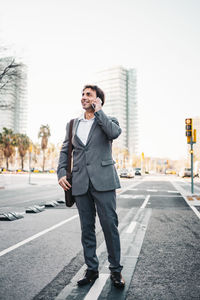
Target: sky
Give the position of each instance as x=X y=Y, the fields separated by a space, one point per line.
x=65 y=42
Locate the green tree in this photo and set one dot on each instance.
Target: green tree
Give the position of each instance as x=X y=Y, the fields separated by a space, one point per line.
x=44 y=134
x=8 y=143
x=23 y=143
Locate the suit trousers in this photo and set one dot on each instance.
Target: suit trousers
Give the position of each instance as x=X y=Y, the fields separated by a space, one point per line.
x=105 y=205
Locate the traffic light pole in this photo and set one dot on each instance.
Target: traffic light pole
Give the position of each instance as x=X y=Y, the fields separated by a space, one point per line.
x=191 y=139
x=191 y=152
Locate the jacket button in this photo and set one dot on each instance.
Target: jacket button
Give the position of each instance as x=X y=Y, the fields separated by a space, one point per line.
x=88 y=164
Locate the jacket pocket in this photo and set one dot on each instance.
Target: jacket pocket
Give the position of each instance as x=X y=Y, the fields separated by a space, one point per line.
x=107 y=162
x=74 y=169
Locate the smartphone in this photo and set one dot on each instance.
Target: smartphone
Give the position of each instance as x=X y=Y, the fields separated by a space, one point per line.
x=93 y=105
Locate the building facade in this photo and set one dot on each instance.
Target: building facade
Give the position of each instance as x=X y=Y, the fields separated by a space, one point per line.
x=13 y=99
x=119 y=85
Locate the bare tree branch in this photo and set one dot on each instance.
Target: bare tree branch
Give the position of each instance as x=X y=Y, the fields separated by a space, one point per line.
x=8 y=71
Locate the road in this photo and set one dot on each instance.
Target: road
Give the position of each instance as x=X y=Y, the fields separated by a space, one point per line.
x=159 y=222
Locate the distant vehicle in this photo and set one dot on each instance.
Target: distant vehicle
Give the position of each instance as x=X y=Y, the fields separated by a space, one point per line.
x=185 y=172
x=35 y=170
x=138 y=171
x=170 y=171
x=51 y=171
x=197 y=169
x=126 y=173
x=21 y=171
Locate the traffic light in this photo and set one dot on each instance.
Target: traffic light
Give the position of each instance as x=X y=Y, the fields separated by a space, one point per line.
x=195 y=136
x=188 y=129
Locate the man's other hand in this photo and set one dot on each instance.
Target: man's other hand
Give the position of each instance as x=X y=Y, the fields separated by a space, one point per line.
x=64 y=183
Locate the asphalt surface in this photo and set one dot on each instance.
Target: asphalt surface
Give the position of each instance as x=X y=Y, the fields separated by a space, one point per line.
x=41 y=255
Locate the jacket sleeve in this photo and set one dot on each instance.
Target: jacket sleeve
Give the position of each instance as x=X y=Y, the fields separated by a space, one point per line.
x=109 y=125
x=62 y=163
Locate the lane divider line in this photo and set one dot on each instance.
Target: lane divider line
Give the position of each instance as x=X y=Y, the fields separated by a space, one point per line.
x=35 y=236
x=131 y=227
x=133 y=224
x=183 y=193
x=71 y=288
x=128 y=187
x=195 y=211
x=145 y=201
x=97 y=287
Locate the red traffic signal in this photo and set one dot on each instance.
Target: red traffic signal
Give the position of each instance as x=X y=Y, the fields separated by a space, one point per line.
x=188 y=127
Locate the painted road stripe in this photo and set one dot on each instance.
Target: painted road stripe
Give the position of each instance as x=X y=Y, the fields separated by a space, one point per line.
x=97 y=287
x=149 y=190
x=130 y=187
x=145 y=201
x=177 y=192
x=133 y=224
x=168 y=196
x=195 y=211
x=131 y=227
x=71 y=288
x=184 y=193
x=33 y=237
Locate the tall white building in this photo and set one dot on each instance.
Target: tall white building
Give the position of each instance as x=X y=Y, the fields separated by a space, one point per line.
x=13 y=100
x=119 y=85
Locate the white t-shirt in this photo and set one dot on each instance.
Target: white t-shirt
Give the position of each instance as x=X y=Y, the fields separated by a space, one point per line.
x=84 y=128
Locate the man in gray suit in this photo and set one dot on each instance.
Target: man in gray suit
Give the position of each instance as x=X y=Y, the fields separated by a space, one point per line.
x=94 y=181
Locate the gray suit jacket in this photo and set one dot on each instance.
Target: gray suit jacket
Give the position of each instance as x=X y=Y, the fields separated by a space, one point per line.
x=94 y=160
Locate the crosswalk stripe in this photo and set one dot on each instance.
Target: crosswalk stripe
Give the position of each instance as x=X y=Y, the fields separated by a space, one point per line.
x=97 y=287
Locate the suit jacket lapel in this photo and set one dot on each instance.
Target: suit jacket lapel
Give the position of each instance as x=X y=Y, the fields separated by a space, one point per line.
x=91 y=131
x=75 y=126
x=75 y=136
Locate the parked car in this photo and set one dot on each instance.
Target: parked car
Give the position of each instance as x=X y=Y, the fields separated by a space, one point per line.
x=185 y=172
x=51 y=171
x=126 y=173
x=170 y=171
x=138 y=171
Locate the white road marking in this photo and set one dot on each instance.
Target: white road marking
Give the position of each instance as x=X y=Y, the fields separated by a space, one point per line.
x=183 y=192
x=97 y=287
x=145 y=201
x=133 y=224
x=195 y=211
x=130 y=187
x=168 y=196
x=131 y=227
x=149 y=190
x=35 y=236
x=138 y=197
x=176 y=192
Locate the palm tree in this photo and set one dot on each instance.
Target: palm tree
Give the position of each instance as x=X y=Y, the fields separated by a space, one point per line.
x=44 y=133
x=36 y=152
x=23 y=143
x=8 y=143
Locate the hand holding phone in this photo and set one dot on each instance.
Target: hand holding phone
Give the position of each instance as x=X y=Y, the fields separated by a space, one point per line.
x=99 y=103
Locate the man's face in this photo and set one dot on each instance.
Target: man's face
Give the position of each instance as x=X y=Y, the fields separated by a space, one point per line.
x=88 y=95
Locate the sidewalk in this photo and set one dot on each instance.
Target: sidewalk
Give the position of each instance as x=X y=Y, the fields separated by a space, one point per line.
x=20 y=181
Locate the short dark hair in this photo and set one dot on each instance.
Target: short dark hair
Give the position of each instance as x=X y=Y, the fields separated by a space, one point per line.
x=98 y=91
